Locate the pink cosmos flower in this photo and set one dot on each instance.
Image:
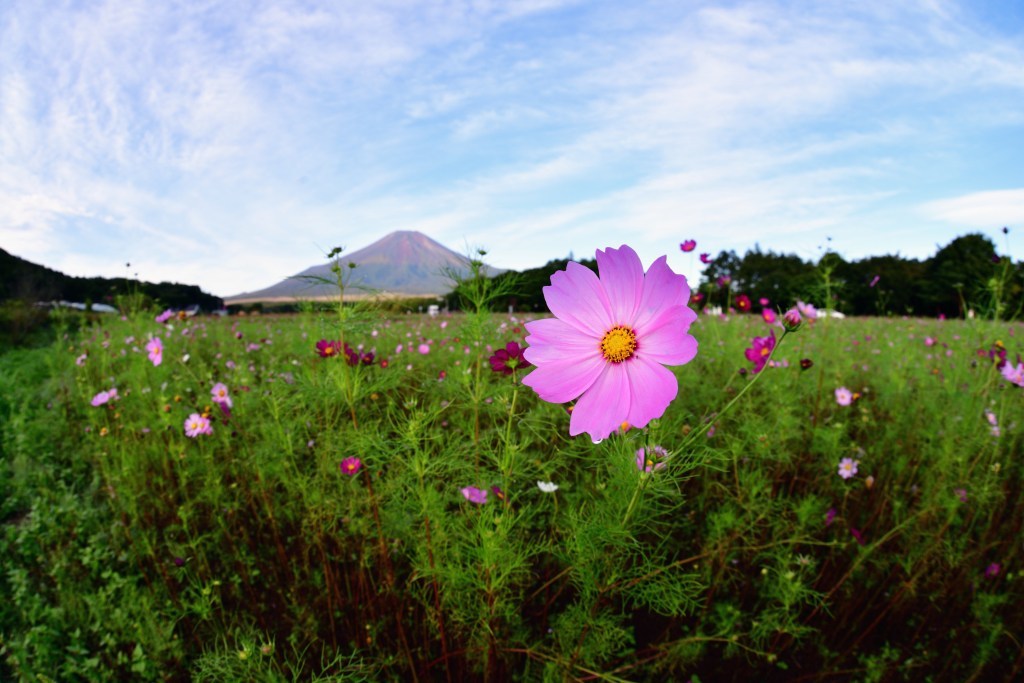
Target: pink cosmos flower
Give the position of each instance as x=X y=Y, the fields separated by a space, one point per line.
x=80 y=361
x=220 y=395
x=874 y=280
x=848 y=467
x=844 y=396
x=768 y=315
x=1014 y=375
x=155 y=348
x=103 y=397
x=792 y=320
x=705 y=258
x=424 y=349
x=688 y=245
x=759 y=351
x=610 y=340
x=475 y=495
x=165 y=316
x=807 y=310
x=196 y=424
x=654 y=461
x=351 y=466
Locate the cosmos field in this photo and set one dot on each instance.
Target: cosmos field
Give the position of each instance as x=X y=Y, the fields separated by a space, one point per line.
x=350 y=494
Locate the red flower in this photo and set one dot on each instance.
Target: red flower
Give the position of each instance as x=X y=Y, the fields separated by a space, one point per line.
x=743 y=303
x=509 y=359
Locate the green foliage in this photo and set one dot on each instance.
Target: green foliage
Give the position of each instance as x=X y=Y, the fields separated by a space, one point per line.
x=29 y=282
x=964 y=276
x=132 y=552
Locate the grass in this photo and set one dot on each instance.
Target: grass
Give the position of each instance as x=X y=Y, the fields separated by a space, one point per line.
x=132 y=552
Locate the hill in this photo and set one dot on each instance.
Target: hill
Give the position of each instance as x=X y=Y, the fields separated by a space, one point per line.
x=30 y=282
x=402 y=263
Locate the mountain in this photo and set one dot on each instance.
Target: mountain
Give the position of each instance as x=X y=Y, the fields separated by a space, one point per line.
x=27 y=281
x=403 y=263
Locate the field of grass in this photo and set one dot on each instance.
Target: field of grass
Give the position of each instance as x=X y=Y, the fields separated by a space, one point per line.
x=259 y=551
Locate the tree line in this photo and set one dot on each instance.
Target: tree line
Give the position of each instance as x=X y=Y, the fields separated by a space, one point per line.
x=968 y=274
x=28 y=282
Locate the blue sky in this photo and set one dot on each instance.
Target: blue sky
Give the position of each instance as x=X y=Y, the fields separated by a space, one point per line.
x=231 y=144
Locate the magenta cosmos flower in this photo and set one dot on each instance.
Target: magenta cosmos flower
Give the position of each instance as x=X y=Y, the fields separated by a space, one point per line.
x=474 y=495
x=688 y=245
x=610 y=340
x=351 y=466
x=759 y=351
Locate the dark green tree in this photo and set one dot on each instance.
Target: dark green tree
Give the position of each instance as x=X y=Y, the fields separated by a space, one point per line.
x=958 y=276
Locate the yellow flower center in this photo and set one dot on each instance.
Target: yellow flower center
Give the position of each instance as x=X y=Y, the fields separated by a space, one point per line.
x=618 y=344
x=765 y=351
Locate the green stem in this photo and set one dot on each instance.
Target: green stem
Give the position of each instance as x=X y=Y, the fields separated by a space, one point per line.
x=728 y=406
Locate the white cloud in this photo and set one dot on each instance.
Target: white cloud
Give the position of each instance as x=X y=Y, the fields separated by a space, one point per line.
x=228 y=141
x=986 y=210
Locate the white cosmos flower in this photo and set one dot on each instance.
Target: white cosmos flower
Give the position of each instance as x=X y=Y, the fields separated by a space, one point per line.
x=547 y=486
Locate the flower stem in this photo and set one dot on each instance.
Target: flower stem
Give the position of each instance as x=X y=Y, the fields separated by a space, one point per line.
x=728 y=406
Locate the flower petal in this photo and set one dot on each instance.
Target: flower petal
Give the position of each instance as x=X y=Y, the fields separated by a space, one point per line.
x=652 y=387
x=576 y=296
x=662 y=289
x=622 y=275
x=553 y=339
x=563 y=380
x=604 y=406
x=666 y=339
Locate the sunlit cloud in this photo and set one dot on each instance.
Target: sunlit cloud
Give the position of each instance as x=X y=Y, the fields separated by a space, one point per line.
x=230 y=144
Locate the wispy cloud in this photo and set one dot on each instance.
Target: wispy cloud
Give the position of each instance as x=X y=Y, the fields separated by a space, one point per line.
x=980 y=209
x=224 y=143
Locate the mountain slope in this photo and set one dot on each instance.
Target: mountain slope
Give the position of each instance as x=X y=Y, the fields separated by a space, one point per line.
x=404 y=262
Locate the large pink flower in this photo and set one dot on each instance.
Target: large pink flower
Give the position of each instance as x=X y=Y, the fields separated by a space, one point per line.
x=610 y=340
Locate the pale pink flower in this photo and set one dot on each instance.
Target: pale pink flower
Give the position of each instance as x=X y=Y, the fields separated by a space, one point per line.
x=654 y=461
x=1014 y=375
x=196 y=424
x=220 y=395
x=610 y=340
x=844 y=396
x=155 y=348
x=424 y=349
x=103 y=397
x=807 y=310
x=848 y=467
